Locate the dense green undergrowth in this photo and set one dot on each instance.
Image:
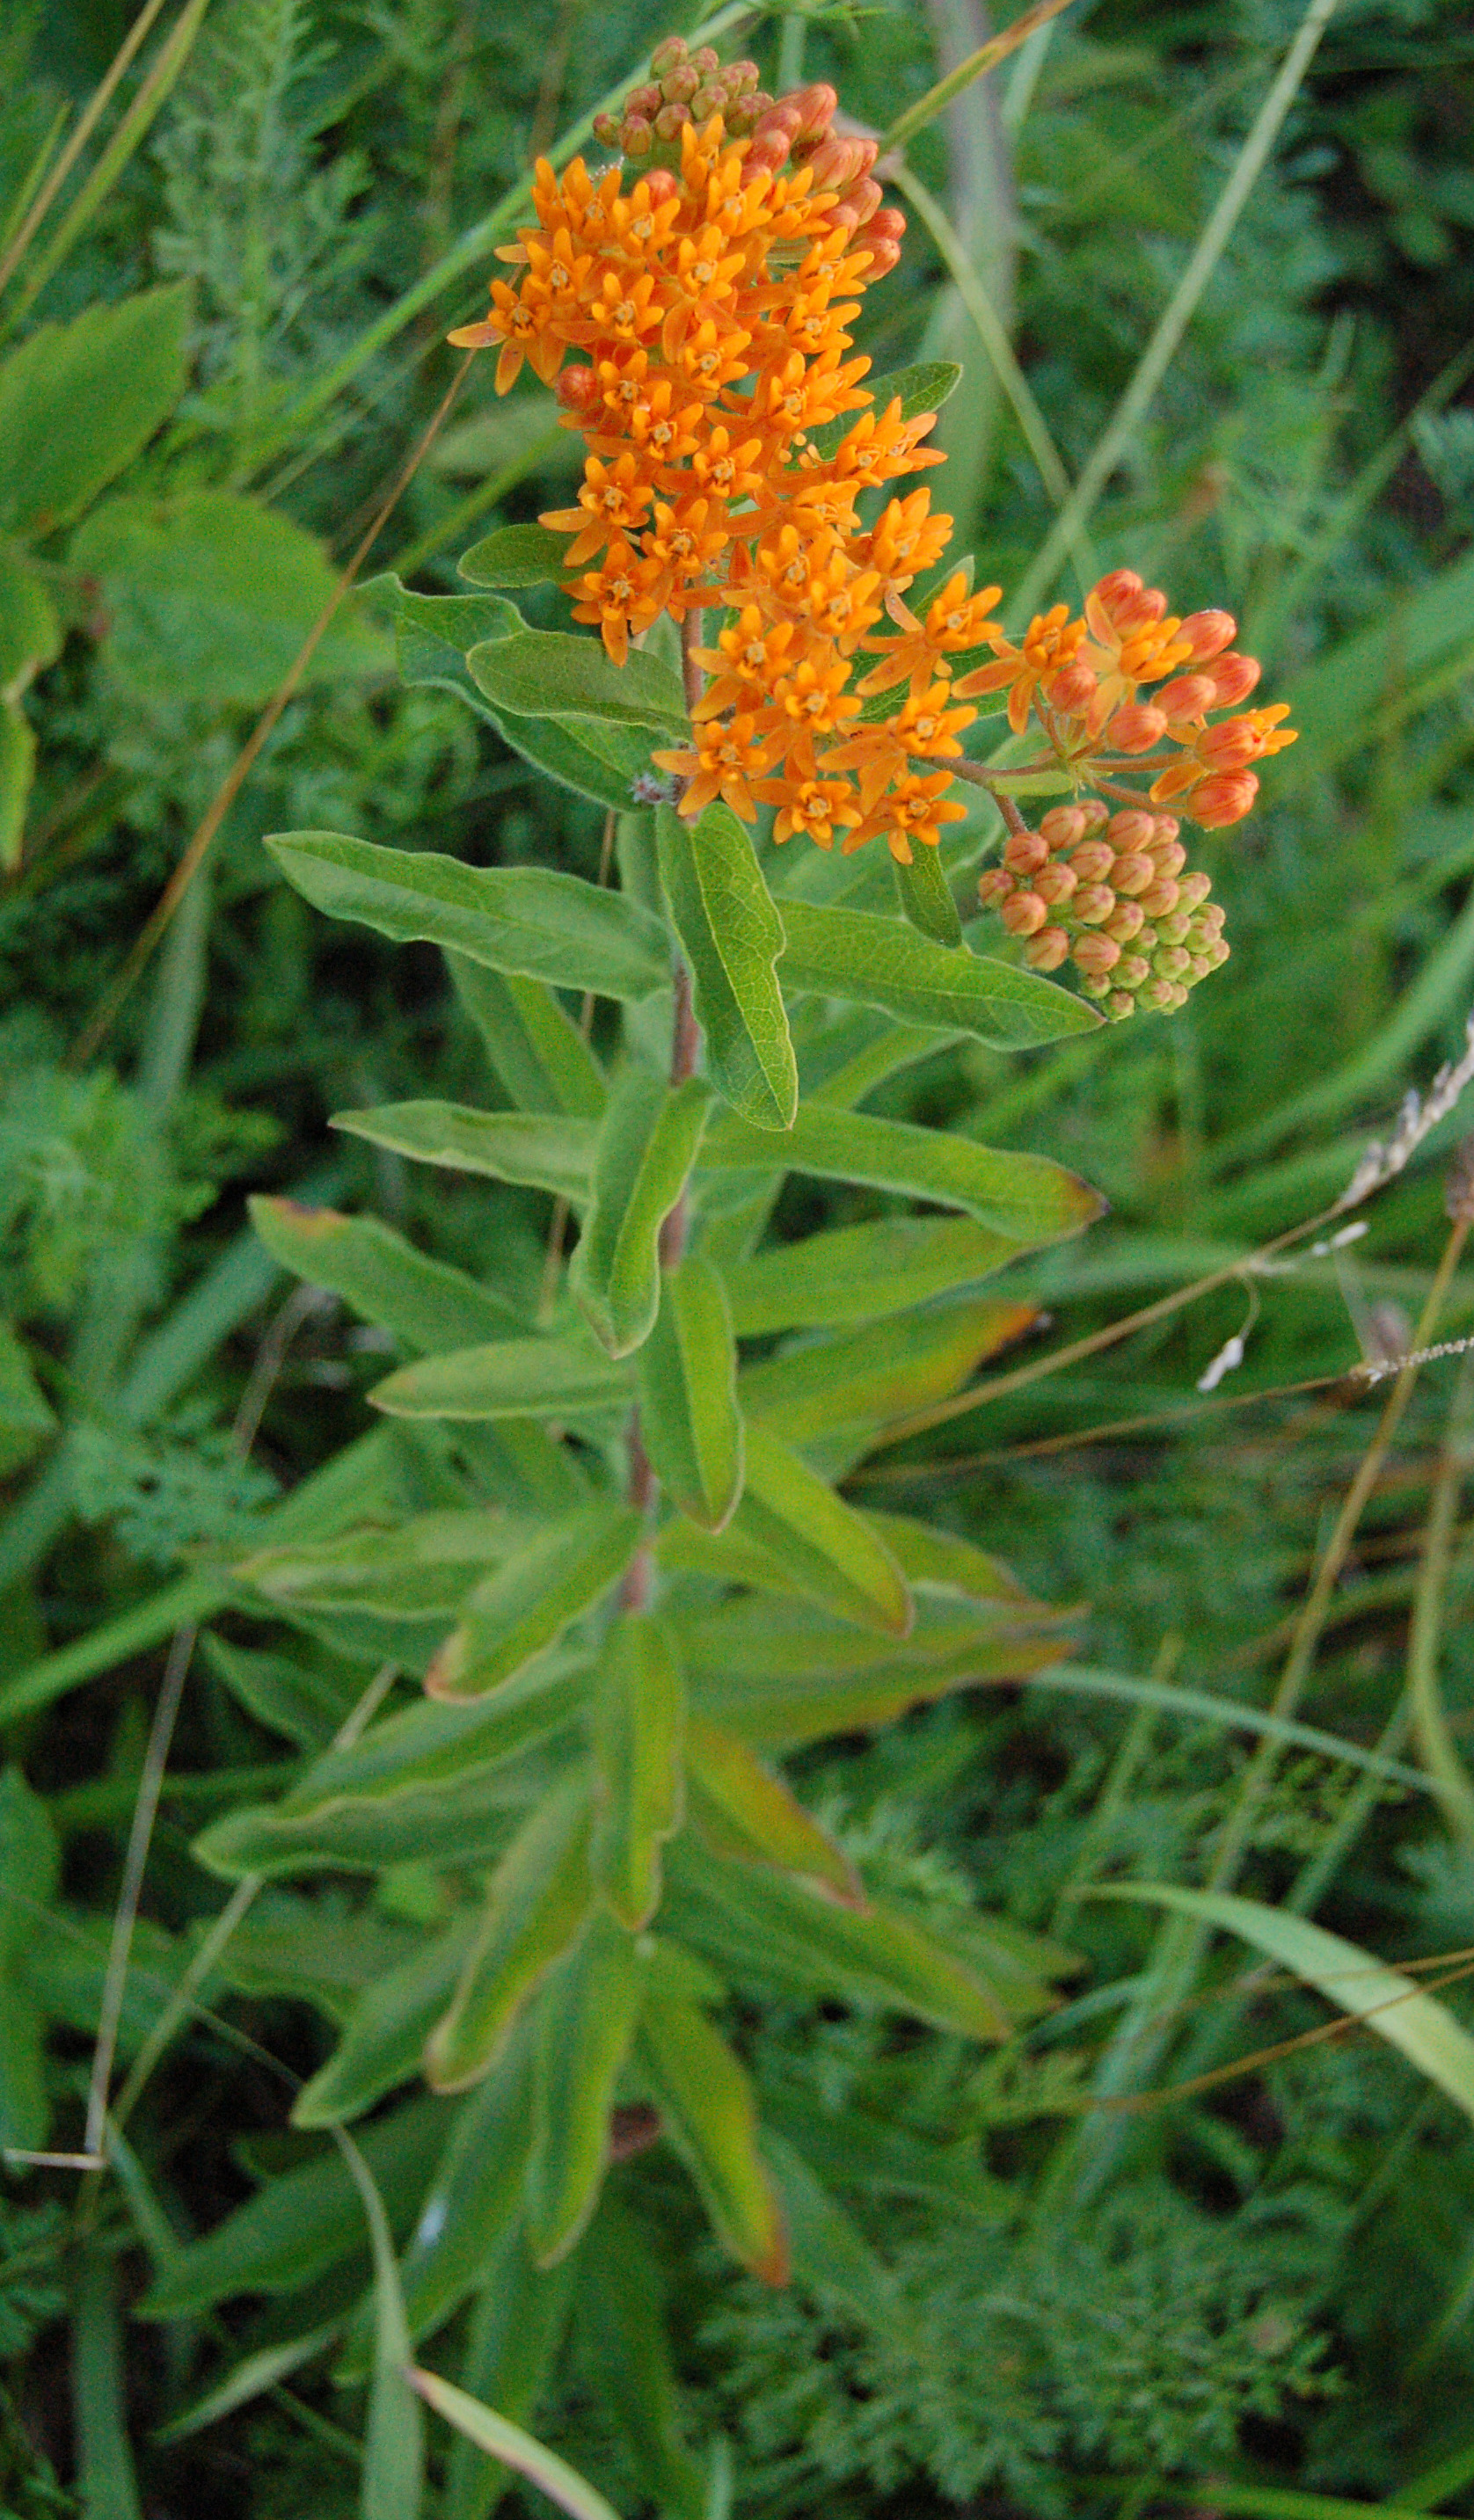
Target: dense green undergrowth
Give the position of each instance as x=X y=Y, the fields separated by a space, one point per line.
x=1004 y=2298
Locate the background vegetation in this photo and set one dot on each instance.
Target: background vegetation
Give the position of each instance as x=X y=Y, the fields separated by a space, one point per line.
x=1260 y=2289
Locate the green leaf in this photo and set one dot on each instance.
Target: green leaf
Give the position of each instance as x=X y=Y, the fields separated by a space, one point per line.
x=27 y=1417
x=1350 y=1980
x=732 y=935
x=528 y=1147
x=247 y=2379
x=306 y=1705
x=646 y=1148
x=30 y=634
x=29 y=1866
x=514 y=2335
x=585 y=2022
x=830 y=2252
x=516 y=556
x=393 y=2441
x=106 y=2476
x=531 y=1599
x=422 y=1570
x=17 y=767
x=820 y=1543
x=626 y=2350
x=507 y=2441
x=526 y=1378
x=926 y=897
x=78 y=400
x=639 y=1709
x=923 y=387
x=1025 y=1197
x=540 y=1894
x=541 y=1058
x=548 y=927
x=741 y=1810
x=209 y=597
x=855 y=1380
x=690 y=1423
x=707 y=2102
x=425 y=1302
x=547 y=673
x=860 y=1273
x=885 y=964
x=387 y=2031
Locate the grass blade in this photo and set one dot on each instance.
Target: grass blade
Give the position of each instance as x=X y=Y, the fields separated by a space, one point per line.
x=513 y=2447
x=394 y=2460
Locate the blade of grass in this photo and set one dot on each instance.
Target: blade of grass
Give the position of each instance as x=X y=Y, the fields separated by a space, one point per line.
x=87 y=122
x=394 y=2449
x=105 y=2459
x=1200 y=1705
x=977 y=65
x=515 y=2449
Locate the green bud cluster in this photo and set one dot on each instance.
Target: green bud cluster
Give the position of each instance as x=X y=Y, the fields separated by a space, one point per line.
x=1110 y=893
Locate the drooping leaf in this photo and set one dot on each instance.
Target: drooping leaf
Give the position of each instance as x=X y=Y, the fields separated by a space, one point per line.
x=548 y=673
x=516 y=556
x=707 y=2102
x=533 y=1597
x=527 y=920
x=690 y=1421
x=926 y=897
x=304 y=1702
x=732 y=935
x=829 y=2250
x=647 y=1146
x=78 y=400
x=536 y=1151
x=425 y=1302
x=1025 y=1197
x=585 y=2022
x=514 y=2448
x=746 y=1813
x=886 y=964
x=543 y=1377
x=541 y=1058
x=860 y=1273
x=855 y=1379
x=540 y=1894
x=819 y=1542
x=394 y=2441
x=638 y=1722
x=424 y=1568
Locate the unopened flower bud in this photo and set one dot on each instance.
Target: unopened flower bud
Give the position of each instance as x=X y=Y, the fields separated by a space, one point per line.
x=1094 y=904
x=1093 y=861
x=1175 y=928
x=1115 y=589
x=576 y=388
x=1224 y=798
x=1161 y=900
x=1026 y=852
x=994 y=886
x=1131 y=829
x=818 y=106
x=864 y=198
x=1137 y=727
x=1024 y=914
x=706 y=61
x=1055 y=882
x=1208 y=634
x=1199 y=967
x=1217 y=952
x=833 y=164
x=1170 y=962
x=1120 y=1003
x=672 y=121
x=681 y=85
x=1132 y=970
x=1235 y=677
x=884 y=253
x=636 y=136
x=1169 y=857
x=1126 y=922
x=867 y=152
x=645 y=100
x=1194 y=888
x=1158 y=995
x=1096 y=814
x=768 y=154
x=1064 y=825
x=1097 y=954
x=668 y=55
x=1189 y=696
x=1072 y=690
x=1132 y=871
x=1047 y=950
x=606 y=130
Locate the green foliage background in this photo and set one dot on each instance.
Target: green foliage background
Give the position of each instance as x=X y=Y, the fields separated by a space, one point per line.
x=1001 y=2303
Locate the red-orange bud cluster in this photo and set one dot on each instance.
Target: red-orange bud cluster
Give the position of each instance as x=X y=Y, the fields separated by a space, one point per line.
x=1110 y=893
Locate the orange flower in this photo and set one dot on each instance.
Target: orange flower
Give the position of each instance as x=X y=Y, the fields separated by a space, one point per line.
x=1052 y=640
x=610 y=506
x=724 y=761
x=620 y=597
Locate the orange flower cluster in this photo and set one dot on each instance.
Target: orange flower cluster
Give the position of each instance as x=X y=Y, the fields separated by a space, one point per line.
x=1110 y=893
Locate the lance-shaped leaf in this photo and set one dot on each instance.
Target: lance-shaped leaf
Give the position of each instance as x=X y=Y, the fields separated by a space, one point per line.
x=732 y=935
x=425 y=1302
x=919 y=389
x=532 y=1149
x=926 y=897
x=526 y=1605
x=856 y=1380
x=516 y=556
x=707 y=2102
x=639 y=1709
x=547 y=673
x=860 y=1273
x=820 y=1543
x=514 y=2334
x=527 y=1377
x=689 y=1419
x=585 y=2022
x=422 y=1570
x=885 y=964
x=542 y=1058
x=387 y=2031
x=625 y=2347
x=549 y=927
x=744 y=1812
x=1025 y=1197
x=647 y=1146
x=540 y=1894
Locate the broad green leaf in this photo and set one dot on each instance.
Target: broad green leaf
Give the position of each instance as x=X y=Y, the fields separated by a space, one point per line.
x=306 y=1944
x=1351 y=1981
x=17 y=767
x=759 y=1920
x=690 y=1423
x=427 y=1784
x=516 y=556
x=640 y=1711
x=855 y=1379
x=422 y=1570
x=860 y=1273
x=647 y=1146
x=78 y=400
x=707 y=2102
x=732 y=935
x=394 y=2441
x=532 y=1149
x=531 y=1599
x=942 y=1563
x=926 y=897
x=1025 y=1197
x=744 y=1812
x=625 y=2347
x=540 y=1894
x=386 y=2034
x=818 y=1541
x=585 y=2022
x=29 y=1864
x=886 y=964
x=27 y=1417
x=301 y=2223
x=425 y=1302
x=527 y=1377
x=923 y=387
x=508 y=2443
x=209 y=597
x=548 y=673
x=548 y=927
x=307 y=1704
x=30 y=634
x=542 y=1058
